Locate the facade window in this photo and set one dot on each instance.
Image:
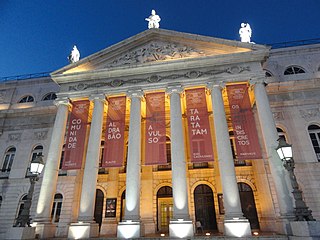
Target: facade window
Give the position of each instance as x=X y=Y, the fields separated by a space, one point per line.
x=281 y=134
x=49 y=96
x=35 y=152
x=8 y=159
x=26 y=99
x=0 y=201
x=268 y=74
x=56 y=208
x=314 y=133
x=21 y=206
x=293 y=70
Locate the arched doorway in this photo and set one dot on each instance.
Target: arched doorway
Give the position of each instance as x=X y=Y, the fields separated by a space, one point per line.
x=164 y=209
x=204 y=207
x=123 y=205
x=98 y=208
x=248 y=205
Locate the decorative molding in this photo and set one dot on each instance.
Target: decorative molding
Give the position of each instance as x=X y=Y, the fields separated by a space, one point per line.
x=278 y=116
x=15 y=137
x=310 y=113
x=156 y=51
x=40 y=135
x=155 y=78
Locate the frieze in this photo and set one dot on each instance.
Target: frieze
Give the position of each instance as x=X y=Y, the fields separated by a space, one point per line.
x=156 y=51
x=15 y=137
x=193 y=74
x=41 y=135
x=310 y=113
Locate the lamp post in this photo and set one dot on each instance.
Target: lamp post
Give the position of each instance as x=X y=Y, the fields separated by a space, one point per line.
x=301 y=212
x=36 y=168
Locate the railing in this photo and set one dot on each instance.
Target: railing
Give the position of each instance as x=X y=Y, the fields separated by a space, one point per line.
x=295 y=43
x=25 y=76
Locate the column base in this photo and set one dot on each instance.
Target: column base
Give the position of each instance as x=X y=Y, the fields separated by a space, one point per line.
x=237 y=228
x=129 y=229
x=109 y=228
x=181 y=229
x=305 y=229
x=45 y=230
x=21 y=233
x=83 y=230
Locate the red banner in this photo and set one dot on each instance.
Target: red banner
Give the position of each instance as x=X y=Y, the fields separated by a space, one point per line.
x=244 y=127
x=155 y=129
x=76 y=136
x=113 y=154
x=199 y=126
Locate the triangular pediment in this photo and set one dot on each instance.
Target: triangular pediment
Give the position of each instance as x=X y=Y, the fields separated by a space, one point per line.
x=156 y=46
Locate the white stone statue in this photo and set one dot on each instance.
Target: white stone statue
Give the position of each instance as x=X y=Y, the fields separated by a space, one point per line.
x=245 y=32
x=153 y=20
x=74 y=55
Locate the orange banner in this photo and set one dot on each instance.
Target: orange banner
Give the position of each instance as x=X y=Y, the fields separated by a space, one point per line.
x=244 y=126
x=113 y=154
x=155 y=129
x=198 y=126
x=76 y=136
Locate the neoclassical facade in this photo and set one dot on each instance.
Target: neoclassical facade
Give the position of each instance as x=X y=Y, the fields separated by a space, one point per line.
x=161 y=132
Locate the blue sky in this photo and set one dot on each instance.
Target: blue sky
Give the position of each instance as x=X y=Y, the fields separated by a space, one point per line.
x=37 y=35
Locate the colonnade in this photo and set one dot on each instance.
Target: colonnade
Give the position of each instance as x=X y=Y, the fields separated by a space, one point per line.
x=233 y=212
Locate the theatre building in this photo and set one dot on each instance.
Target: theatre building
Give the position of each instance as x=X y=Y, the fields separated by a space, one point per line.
x=164 y=133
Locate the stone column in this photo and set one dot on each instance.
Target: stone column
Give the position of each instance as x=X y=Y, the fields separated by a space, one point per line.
x=270 y=137
x=50 y=177
x=131 y=222
x=231 y=197
x=90 y=175
x=178 y=163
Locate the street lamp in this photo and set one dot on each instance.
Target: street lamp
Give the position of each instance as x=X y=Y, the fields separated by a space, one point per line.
x=301 y=212
x=36 y=168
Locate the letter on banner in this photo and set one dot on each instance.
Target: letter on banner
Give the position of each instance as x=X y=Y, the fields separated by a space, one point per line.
x=198 y=126
x=155 y=129
x=244 y=126
x=113 y=154
x=76 y=136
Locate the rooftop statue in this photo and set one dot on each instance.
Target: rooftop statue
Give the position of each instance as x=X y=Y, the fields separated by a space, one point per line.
x=245 y=32
x=74 y=55
x=153 y=20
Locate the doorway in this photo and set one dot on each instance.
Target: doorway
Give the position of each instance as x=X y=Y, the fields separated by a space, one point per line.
x=164 y=209
x=248 y=205
x=98 y=208
x=204 y=207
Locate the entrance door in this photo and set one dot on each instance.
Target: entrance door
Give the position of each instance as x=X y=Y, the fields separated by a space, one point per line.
x=165 y=213
x=204 y=207
x=248 y=205
x=164 y=209
x=98 y=207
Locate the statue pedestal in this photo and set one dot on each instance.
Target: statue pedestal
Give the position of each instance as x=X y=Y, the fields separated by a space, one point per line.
x=237 y=228
x=21 y=233
x=128 y=229
x=181 y=229
x=83 y=230
x=305 y=229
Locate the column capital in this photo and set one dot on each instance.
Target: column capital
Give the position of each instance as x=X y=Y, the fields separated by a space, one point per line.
x=174 y=89
x=257 y=80
x=99 y=97
x=211 y=85
x=62 y=101
x=136 y=93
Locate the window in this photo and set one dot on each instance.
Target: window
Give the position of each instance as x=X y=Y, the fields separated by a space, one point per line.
x=49 y=96
x=26 y=99
x=293 y=70
x=8 y=159
x=56 y=208
x=281 y=134
x=268 y=74
x=21 y=206
x=35 y=152
x=0 y=201
x=314 y=133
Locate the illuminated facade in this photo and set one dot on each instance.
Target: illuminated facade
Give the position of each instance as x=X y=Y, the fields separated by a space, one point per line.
x=208 y=162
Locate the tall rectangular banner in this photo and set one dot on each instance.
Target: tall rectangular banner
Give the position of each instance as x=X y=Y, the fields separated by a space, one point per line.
x=155 y=129
x=76 y=136
x=198 y=126
x=244 y=127
x=114 y=144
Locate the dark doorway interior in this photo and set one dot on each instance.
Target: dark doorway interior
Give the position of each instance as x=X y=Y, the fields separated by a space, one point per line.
x=98 y=207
